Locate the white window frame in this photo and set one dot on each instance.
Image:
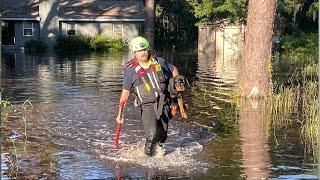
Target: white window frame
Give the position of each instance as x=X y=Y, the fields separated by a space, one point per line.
x=24 y=28
x=75 y=29
x=113 y=25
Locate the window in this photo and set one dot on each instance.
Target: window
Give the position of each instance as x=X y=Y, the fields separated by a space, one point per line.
x=27 y=29
x=117 y=30
x=71 y=29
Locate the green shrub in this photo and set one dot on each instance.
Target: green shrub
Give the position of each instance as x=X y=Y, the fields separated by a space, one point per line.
x=118 y=44
x=73 y=43
x=104 y=43
x=300 y=43
x=297 y=51
x=35 y=46
x=87 y=43
x=100 y=43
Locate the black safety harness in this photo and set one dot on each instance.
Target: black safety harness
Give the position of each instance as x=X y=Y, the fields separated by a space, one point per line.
x=151 y=86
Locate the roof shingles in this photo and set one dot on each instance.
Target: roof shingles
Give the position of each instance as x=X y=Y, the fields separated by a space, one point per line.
x=103 y=10
x=77 y=9
x=20 y=9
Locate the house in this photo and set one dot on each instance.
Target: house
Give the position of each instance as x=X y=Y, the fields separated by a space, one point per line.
x=19 y=21
x=45 y=20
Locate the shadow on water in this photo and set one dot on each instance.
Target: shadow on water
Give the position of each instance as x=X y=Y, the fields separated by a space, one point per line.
x=68 y=131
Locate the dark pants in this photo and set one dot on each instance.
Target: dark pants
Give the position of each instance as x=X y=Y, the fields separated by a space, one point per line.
x=156 y=130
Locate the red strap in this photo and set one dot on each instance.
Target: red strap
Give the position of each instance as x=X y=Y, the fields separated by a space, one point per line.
x=141 y=71
x=134 y=63
x=153 y=68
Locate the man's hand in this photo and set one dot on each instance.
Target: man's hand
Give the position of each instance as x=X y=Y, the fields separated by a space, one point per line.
x=119 y=119
x=123 y=101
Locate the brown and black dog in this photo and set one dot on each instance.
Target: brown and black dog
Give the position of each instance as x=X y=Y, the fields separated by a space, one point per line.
x=176 y=88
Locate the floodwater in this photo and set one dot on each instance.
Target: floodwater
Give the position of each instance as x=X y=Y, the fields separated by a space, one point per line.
x=61 y=124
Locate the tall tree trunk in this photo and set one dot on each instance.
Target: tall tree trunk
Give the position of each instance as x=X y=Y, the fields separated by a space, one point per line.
x=0 y=49
x=255 y=74
x=149 y=23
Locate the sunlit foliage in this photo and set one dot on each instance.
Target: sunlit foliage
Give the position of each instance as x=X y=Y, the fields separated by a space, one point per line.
x=207 y=11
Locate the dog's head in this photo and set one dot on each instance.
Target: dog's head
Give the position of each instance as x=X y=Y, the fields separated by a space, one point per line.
x=179 y=83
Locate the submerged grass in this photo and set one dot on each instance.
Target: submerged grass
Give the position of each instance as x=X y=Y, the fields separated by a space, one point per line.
x=299 y=101
x=283 y=103
x=4 y=104
x=310 y=103
x=16 y=150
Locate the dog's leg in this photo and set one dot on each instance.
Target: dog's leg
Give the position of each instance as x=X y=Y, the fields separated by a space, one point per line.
x=182 y=110
x=173 y=109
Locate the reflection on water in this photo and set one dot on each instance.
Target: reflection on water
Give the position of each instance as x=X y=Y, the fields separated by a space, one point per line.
x=48 y=77
x=71 y=162
x=253 y=127
x=68 y=132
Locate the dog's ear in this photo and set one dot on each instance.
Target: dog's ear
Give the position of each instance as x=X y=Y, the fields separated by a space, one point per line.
x=171 y=87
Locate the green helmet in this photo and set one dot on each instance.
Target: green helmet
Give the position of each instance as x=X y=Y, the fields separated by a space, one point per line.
x=138 y=43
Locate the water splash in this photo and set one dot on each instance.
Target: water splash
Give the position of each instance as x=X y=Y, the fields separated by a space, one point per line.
x=167 y=159
x=182 y=150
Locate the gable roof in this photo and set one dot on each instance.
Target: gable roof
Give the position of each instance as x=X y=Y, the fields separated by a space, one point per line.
x=20 y=9
x=77 y=10
x=101 y=10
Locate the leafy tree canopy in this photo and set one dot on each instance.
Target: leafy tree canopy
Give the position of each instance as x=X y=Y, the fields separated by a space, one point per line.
x=175 y=22
x=300 y=14
x=293 y=11
x=208 y=11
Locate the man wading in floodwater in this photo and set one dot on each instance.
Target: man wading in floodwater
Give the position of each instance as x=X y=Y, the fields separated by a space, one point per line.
x=147 y=76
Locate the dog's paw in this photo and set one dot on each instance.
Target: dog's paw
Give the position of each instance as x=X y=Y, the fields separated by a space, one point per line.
x=184 y=115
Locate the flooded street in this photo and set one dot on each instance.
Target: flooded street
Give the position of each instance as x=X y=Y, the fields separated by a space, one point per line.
x=61 y=124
